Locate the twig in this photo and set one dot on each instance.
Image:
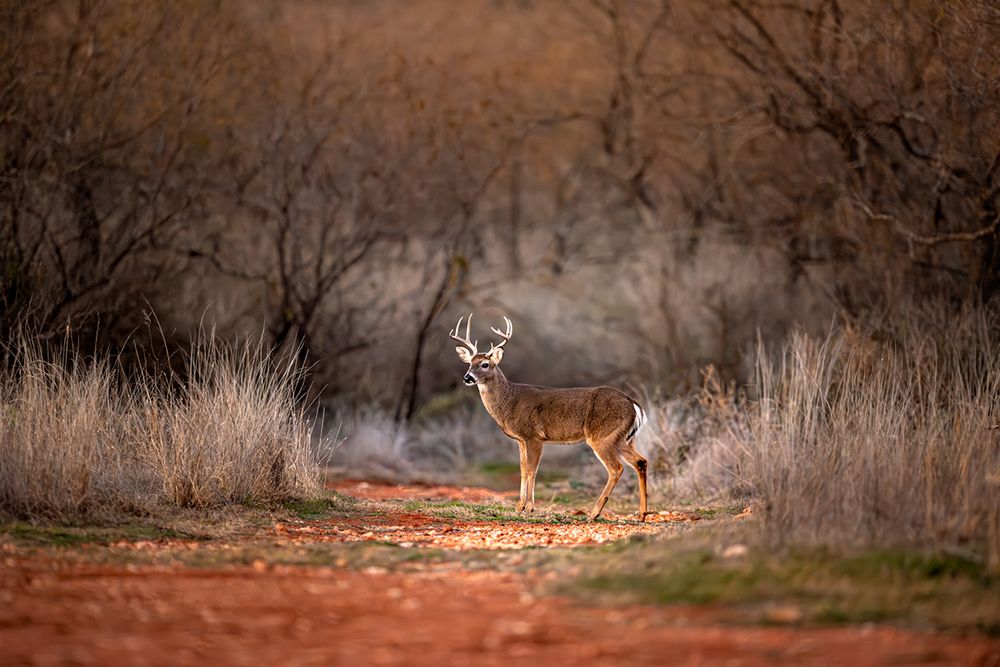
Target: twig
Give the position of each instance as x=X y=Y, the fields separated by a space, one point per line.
x=929 y=240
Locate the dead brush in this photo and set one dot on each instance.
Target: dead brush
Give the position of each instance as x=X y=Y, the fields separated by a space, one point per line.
x=875 y=436
x=694 y=442
x=76 y=439
x=882 y=439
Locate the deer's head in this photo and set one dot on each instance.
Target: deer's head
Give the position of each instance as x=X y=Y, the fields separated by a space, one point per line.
x=482 y=366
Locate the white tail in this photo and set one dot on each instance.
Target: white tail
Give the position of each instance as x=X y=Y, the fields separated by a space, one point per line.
x=640 y=421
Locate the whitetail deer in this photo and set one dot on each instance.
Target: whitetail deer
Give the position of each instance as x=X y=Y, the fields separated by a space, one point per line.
x=605 y=418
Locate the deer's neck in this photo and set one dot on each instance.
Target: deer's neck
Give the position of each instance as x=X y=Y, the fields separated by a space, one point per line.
x=498 y=397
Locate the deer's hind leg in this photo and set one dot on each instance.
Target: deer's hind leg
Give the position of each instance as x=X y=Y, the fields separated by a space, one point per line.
x=638 y=462
x=608 y=453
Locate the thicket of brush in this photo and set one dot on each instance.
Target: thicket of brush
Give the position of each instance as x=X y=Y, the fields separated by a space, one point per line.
x=856 y=439
x=874 y=436
x=77 y=439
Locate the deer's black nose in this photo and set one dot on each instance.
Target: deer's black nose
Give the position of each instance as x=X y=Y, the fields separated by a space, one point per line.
x=469 y=380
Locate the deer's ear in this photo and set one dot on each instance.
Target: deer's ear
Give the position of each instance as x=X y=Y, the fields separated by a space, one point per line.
x=496 y=355
x=464 y=354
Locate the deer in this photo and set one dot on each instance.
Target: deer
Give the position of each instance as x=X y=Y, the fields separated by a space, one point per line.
x=605 y=418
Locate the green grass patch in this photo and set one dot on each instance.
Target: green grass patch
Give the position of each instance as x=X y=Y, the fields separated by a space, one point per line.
x=695 y=578
x=356 y=555
x=333 y=504
x=913 y=566
x=910 y=588
x=500 y=468
x=717 y=512
x=68 y=536
x=420 y=505
x=510 y=469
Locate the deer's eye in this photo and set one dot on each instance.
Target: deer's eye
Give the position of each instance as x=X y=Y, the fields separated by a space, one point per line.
x=485 y=364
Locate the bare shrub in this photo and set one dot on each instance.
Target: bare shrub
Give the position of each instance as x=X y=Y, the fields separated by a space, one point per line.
x=880 y=437
x=462 y=439
x=77 y=440
x=102 y=150
x=439 y=448
x=689 y=441
x=375 y=446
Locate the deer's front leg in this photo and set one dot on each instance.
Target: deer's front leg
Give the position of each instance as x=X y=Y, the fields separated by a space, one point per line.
x=523 y=450
x=534 y=455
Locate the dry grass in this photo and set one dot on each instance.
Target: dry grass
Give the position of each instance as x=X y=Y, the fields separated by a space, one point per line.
x=882 y=438
x=375 y=446
x=77 y=440
x=439 y=447
x=688 y=441
x=876 y=437
x=879 y=436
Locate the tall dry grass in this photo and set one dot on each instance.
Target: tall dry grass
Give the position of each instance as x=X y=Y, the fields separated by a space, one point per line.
x=884 y=438
x=78 y=440
x=870 y=436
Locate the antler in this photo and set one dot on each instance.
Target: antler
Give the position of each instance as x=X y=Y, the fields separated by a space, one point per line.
x=464 y=341
x=505 y=335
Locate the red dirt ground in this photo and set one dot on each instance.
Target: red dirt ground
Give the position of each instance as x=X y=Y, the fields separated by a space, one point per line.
x=409 y=529
x=55 y=612
x=382 y=491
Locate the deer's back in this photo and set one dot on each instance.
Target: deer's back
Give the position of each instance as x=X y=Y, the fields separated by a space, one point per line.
x=569 y=414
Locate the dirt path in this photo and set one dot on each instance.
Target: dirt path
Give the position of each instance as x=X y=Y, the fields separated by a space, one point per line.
x=416 y=529
x=56 y=611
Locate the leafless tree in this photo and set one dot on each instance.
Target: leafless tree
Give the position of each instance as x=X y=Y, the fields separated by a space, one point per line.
x=96 y=167
x=869 y=140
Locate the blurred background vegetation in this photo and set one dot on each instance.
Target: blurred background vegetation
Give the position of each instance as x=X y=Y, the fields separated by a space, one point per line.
x=657 y=193
x=642 y=186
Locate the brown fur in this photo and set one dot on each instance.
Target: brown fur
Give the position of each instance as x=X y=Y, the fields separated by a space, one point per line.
x=603 y=417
